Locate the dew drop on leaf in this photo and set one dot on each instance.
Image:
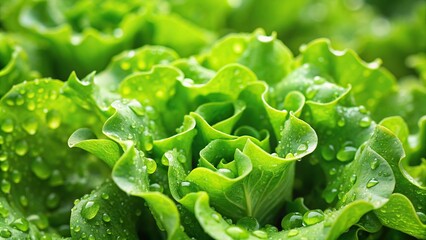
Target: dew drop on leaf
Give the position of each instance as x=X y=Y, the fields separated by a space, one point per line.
x=147 y=142
x=372 y=182
x=7 y=126
x=77 y=229
x=365 y=122
x=105 y=196
x=155 y=187
x=313 y=217
x=328 y=152
x=226 y=172
x=249 y=223
x=52 y=200
x=5 y=186
x=346 y=153
x=5 y=233
x=53 y=119
x=151 y=165
x=16 y=176
x=4 y=166
x=374 y=164
x=292 y=220
x=106 y=217
x=3 y=156
x=40 y=168
x=30 y=126
x=293 y=232
x=21 y=147
x=90 y=210
x=260 y=234
x=353 y=179
x=302 y=148
x=216 y=216
x=23 y=200
x=422 y=217
x=21 y=224
x=237 y=232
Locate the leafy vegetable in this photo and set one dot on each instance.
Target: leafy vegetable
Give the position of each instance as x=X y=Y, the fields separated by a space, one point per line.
x=189 y=137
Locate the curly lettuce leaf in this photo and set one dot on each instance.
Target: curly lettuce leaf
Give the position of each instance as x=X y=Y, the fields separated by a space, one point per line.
x=346 y=68
x=266 y=56
x=68 y=33
x=104 y=212
x=14 y=65
x=39 y=185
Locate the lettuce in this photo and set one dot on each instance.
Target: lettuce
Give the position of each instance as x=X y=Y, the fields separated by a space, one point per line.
x=188 y=137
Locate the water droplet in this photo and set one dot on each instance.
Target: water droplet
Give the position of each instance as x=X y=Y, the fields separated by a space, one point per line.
x=237 y=232
x=332 y=171
x=31 y=105
x=40 y=168
x=311 y=92
x=5 y=233
x=105 y=196
x=341 y=122
x=155 y=187
x=346 y=153
x=91 y=237
x=260 y=234
x=23 y=200
x=5 y=186
x=16 y=176
x=30 y=125
x=302 y=148
x=319 y=80
x=248 y=223
x=365 y=122
x=7 y=125
x=328 y=152
x=90 y=210
x=292 y=220
x=313 y=217
x=4 y=166
x=151 y=165
x=373 y=182
x=21 y=224
x=374 y=164
x=52 y=200
x=187 y=187
x=53 y=119
x=147 y=142
x=362 y=109
x=56 y=178
x=21 y=147
x=106 y=217
x=181 y=158
x=289 y=155
x=125 y=66
x=216 y=216
x=77 y=229
x=353 y=179
x=422 y=217
x=226 y=172
x=40 y=221
x=292 y=233
x=3 y=156
x=4 y=212
x=166 y=158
